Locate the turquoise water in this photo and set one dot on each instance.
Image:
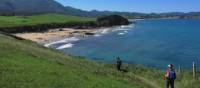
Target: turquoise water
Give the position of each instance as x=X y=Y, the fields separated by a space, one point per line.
x=150 y=42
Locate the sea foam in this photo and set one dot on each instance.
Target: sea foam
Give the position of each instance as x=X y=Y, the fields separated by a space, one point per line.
x=69 y=45
x=67 y=40
x=121 y=33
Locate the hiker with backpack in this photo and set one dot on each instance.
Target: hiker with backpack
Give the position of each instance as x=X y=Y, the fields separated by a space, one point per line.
x=118 y=64
x=170 y=76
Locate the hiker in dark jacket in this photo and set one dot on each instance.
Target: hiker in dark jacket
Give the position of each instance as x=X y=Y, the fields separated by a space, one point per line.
x=170 y=76
x=118 y=64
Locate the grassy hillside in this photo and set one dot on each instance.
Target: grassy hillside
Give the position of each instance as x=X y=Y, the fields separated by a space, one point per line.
x=12 y=21
x=24 y=64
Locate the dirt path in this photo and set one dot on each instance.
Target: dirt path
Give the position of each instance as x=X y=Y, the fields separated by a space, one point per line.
x=152 y=84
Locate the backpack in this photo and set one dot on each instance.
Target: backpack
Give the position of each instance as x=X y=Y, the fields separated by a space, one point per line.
x=172 y=74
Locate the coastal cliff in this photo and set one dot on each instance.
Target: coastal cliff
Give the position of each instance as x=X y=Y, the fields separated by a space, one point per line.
x=41 y=25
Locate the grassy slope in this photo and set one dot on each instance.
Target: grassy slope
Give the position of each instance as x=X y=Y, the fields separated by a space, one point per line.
x=184 y=79
x=10 y=21
x=24 y=64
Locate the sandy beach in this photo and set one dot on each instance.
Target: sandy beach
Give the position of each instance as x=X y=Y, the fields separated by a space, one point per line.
x=54 y=33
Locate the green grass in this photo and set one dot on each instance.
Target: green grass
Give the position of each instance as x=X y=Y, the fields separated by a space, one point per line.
x=13 y=21
x=24 y=64
x=184 y=79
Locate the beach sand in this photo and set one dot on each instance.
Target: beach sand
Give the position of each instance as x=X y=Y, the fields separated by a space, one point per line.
x=53 y=34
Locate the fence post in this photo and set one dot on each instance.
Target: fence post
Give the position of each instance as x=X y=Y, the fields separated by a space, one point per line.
x=194 y=70
x=179 y=69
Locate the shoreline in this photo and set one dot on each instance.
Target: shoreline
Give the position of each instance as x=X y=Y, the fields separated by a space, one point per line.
x=67 y=36
x=55 y=34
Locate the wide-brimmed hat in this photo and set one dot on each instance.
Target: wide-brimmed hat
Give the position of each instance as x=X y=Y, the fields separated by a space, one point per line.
x=170 y=65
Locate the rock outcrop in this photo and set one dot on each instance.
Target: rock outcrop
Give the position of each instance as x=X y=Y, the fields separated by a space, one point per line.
x=112 y=20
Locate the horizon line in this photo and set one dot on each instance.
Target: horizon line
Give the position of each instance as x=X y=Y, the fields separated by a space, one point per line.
x=133 y=11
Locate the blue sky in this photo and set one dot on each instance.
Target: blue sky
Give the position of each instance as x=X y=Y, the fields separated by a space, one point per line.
x=146 y=6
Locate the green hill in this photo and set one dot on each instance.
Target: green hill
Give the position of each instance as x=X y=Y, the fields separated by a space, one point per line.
x=12 y=21
x=24 y=64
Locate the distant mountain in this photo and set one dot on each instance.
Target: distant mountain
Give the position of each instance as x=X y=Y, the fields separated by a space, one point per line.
x=95 y=13
x=136 y=15
x=25 y=7
x=77 y=12
x=29 y=7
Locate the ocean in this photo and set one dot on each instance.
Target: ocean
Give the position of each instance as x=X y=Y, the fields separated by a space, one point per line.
x=152 y=42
